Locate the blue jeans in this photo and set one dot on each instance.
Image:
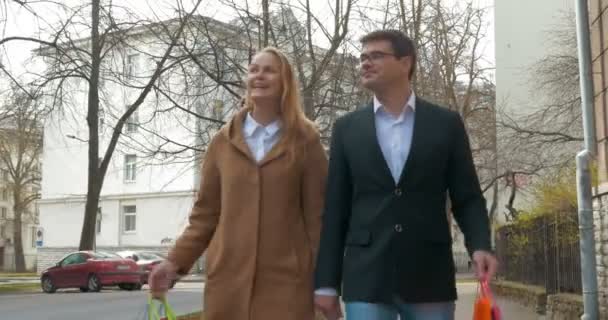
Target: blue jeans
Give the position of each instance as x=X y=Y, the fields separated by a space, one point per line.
x=400 y=310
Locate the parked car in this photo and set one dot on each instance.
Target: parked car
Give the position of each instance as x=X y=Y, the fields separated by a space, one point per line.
x=90 y=271
x=146 y=260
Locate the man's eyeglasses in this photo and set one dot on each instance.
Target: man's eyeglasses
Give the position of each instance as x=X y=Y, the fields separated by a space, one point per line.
x=375 y=56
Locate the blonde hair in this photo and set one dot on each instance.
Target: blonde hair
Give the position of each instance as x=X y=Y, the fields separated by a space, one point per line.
x=291 y=110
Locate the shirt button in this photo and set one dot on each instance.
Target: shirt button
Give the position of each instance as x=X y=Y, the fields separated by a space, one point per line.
x=398 y=192
x=398 y=228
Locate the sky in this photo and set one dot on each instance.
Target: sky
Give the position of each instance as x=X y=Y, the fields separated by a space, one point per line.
x=19 y=22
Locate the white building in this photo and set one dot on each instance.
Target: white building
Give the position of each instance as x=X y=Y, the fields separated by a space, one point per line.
x=146 y=196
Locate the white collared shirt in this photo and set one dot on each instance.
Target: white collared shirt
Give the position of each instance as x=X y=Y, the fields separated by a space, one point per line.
x=394 y=134
x=259 y=138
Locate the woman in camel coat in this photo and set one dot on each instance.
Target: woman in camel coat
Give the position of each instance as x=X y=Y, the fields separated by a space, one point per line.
x=258 y=210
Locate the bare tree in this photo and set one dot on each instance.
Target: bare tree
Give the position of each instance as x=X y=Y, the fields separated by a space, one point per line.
x=544 y=137
x=20 y=153
x=96 y=60
x=328 y=75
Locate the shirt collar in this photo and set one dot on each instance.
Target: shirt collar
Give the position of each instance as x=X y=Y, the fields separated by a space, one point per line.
x=251 y=126
x=411 y=102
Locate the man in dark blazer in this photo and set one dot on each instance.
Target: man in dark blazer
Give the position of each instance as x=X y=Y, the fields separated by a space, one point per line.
x=386 y=242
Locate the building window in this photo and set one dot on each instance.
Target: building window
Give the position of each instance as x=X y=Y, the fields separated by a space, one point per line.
x=98 y=221
x=2 y=231
x=130 y=66
x=130 y=167
x=4 y=194
x=133 y=121
x=5 y=174
x=3 y=213
x=130 y=216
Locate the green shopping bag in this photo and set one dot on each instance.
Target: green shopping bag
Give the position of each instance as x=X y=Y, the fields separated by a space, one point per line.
x=159 y=309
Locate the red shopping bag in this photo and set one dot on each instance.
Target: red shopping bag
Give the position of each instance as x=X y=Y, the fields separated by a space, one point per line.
x=485 y=306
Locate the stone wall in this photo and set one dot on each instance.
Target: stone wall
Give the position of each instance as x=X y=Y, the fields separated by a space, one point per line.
x=601 y=248
x=553 y=307
x=564 y=307
x=48 y=256
x=533 y=297
x=598 y=26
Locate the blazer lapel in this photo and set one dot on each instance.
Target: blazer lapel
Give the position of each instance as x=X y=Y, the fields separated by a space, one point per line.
x=370 y=138
x=421 y=121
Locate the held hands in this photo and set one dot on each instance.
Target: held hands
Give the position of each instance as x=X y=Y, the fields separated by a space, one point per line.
x=329 y=306
x=161 y=277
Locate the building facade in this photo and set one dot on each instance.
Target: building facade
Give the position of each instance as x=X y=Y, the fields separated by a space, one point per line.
x=598 y=19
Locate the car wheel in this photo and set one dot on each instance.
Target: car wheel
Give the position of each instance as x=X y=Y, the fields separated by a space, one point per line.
x=83 y=289
x=94 y=285
x=138 y=286
x=47 y=285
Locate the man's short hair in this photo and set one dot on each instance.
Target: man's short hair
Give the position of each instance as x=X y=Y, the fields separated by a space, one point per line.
x=402 y=45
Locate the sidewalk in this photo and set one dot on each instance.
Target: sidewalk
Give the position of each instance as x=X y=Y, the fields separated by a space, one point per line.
x=510 y=310
x=12 y=280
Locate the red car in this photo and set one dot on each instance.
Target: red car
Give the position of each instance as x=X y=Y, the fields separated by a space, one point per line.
x=146 y=261
x=90 y=271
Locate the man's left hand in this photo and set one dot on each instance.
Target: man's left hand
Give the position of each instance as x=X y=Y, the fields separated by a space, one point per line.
x=485 y=265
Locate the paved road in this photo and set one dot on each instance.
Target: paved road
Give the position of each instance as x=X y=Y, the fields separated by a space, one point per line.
x=185 y=298
x=108 y=304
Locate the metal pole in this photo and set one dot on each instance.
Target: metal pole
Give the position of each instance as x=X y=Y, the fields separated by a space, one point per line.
x=587 y=237
x=583 y=173
x=586 y=80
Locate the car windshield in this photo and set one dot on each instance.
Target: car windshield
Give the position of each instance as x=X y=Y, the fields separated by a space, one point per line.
x=104 y=255
x=149 y=256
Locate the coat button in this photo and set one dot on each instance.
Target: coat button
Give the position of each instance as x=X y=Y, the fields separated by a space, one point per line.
x=398 y=192
x=398 y=228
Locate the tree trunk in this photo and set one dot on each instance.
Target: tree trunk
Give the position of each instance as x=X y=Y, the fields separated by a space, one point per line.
x=494 y=205
x=309 y=103
x=18 y=238
x=87 y=238
x=266 y=17
x=513 y=212
x=95 y=178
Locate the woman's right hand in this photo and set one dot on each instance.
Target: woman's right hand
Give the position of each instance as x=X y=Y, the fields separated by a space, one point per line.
x=161 y=277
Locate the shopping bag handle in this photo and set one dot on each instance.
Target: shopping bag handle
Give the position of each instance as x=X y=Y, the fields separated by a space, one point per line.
x=164 y=305
x=485 y=289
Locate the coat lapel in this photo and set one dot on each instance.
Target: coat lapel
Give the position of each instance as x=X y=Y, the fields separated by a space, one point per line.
x=277 y=151
x=237 y=138
x=421 y=121
x=236 y=135
x=371 y=138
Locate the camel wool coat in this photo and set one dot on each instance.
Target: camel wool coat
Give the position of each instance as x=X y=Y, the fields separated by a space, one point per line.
x=260 y=224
